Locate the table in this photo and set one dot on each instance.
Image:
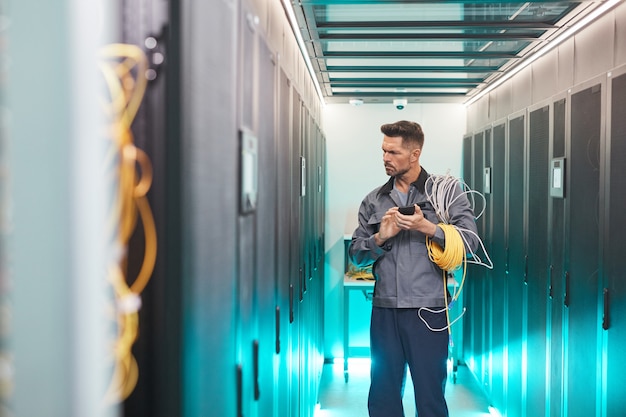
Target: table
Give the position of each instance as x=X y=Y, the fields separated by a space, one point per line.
x=350 y=284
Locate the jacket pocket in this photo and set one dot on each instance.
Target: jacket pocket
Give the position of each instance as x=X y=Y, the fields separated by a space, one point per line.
x=375 y=220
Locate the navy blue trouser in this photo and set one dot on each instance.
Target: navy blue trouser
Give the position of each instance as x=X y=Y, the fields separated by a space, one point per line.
x=399 y=338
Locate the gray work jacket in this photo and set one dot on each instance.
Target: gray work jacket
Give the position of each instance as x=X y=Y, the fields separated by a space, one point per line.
x=405 y=276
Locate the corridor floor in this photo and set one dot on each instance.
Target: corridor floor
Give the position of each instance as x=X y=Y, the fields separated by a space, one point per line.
x=341 y=399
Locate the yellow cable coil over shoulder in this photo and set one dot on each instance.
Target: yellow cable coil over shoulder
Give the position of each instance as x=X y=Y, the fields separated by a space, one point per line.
x=123 y=67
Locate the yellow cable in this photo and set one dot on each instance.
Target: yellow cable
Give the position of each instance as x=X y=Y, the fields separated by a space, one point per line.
x=449 y=260
x=123 y=68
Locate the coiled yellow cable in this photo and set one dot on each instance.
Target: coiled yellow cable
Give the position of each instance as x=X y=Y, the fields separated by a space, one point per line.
x=123 y=67
x=449 y=259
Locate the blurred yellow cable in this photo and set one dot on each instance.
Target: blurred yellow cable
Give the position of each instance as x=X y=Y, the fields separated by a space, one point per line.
x=123 y=67
x=449 y=260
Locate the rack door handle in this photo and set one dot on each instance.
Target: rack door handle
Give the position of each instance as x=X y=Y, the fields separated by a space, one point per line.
x=550 y=294
x=239 y=371
x=255 y=361
x=290 y=303
x=506 y=260
x=566 y=294
x=277 y=329
x=606 y=317
x=526 y=269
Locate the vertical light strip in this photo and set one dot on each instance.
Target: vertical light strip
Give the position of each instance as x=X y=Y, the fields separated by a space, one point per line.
x=296 y=30
x=605 y=7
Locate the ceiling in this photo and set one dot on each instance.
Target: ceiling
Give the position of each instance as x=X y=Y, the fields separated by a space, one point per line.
x=375 y=51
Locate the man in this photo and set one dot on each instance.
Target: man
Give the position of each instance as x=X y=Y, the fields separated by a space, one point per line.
x=409 y=321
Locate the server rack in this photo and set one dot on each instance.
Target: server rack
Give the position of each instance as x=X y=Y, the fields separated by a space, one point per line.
x=562 y=215
x=231 y=323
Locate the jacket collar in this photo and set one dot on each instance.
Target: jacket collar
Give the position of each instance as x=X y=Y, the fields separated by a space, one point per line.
x=419 y=183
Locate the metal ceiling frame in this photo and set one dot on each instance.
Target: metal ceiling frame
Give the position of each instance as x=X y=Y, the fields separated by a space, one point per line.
x=369 y=68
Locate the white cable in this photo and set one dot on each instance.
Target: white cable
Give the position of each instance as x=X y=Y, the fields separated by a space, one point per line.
x=446 y=327
x=442 y=196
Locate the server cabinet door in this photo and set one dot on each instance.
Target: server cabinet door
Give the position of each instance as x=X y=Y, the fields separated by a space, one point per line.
x=467 y=295
x=582 y=288
x=616 y=253
x=497 y=251
x=537 y=280
x=209 y=154
x=266 y=231
x=556 y=285
x=285 y=290
x=515 y=268
x=485 y=231
x=475 y=276
x=247 y=331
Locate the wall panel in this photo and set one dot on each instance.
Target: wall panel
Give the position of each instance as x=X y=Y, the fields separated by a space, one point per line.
x=521 y=89
x=503 y=102
x=545 y=77
x=589 y=59
x=620 y=37
x=566 y=67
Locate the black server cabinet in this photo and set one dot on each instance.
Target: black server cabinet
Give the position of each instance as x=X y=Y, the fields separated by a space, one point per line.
x=561 y=202
x=582 y=261
x=146 y=26
x=475 y=274
x=468 y=293
x=496 y=247
x=210 y=203
x=295 y=267
x=537 y=264
x=516 y=263
x=615 y=252
x=485 y=231
x=556 y=242
x=285 y=288
x=246 y=324
x=265 y=239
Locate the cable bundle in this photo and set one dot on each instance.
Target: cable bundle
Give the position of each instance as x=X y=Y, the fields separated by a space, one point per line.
x=454 y=255
x=124 y=67
x=450 y=258
x=442 y=197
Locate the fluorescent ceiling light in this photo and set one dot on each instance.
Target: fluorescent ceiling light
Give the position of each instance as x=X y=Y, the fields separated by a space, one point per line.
x=296 y=30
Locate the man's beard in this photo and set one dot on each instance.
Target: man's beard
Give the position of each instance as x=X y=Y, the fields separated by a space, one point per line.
x=395 y=173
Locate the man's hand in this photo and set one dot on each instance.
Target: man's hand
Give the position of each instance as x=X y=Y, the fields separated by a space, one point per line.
x=415 y=221
x=388 y=227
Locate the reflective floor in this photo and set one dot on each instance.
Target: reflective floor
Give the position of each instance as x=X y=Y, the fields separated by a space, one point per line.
x=341 y=399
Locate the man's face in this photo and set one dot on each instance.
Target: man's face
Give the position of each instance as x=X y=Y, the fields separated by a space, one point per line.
x=397 y=159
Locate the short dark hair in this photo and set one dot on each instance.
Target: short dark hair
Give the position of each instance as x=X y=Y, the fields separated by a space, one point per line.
x=410 y=132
